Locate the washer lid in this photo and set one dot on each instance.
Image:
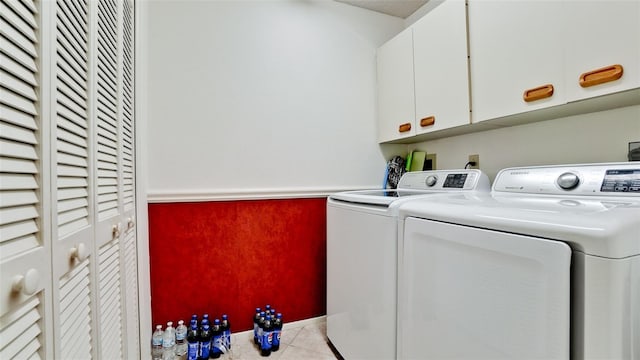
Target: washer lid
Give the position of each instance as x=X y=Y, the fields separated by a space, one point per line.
x=420 y=183
x=607 y=227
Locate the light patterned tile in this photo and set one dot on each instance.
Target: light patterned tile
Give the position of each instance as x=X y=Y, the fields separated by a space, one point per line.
x=313 y=338
x=297 y=353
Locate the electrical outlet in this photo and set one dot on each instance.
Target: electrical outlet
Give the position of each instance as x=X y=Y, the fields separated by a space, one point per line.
x=476 y=160
x=430 y=162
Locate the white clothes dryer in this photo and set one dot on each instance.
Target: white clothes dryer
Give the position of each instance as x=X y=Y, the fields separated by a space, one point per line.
x=546 y=266
x=362 y=232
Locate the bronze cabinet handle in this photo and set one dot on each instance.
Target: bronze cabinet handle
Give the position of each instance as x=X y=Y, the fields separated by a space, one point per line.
x=428 y=121
x=602 y=75
x=404 y=127
x=540 y=92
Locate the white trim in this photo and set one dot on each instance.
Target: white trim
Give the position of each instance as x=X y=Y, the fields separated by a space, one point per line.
x=245 y=194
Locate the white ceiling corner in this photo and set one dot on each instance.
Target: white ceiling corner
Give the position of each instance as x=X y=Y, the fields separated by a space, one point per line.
x=398 y=8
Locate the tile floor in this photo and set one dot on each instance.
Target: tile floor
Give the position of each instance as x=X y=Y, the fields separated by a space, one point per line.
x=300 y=340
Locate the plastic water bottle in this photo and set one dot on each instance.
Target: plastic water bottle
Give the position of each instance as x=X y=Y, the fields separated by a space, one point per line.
x=217 y=347
x=277 y=332
x=225 y=326
x=205 y=342
x=193 y=343
x=267 y=337
x=169 y=342
x=181 y=339
x=256 y=321
x=156 y=343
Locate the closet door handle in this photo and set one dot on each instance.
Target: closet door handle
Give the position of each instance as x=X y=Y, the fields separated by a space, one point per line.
x=428 y=121
x=404 y=127
x=538 y=93
x=602 y=75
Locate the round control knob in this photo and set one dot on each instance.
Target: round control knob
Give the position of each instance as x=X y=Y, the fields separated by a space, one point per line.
x=28 y=283
x=568 y=181
x=431 y=180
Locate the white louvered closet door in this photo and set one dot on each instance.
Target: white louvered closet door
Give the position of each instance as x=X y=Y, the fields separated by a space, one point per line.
x=108 y=181
x=25 y=280
x=73 y=186
x=129 y=247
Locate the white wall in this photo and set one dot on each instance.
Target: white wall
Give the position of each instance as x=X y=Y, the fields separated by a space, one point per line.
x=255 y=96
x=595 y=137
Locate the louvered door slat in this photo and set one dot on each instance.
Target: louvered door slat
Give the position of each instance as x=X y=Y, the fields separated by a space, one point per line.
x=19 y=23
x=110 y=300
x=73 y=160
x=24 y=11
x=14 y=116
x=107 y=110
x=17 y=85
x=75 y=313
x=72 y=121
x=11 y=66
x=18 y=54
x=75 y=57
x=18 y=102
x=74 y=18
x=19 y=217
x=21 y=40
x=20 y=330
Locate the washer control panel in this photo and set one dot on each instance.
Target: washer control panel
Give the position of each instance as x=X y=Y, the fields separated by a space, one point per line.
x=588 y=179
x=626 y=180
x=445 y=180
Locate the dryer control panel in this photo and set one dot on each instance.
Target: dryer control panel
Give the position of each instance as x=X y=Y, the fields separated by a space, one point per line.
x=609 y=179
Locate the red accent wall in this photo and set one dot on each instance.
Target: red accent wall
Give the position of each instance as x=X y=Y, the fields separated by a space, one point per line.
x=232 y=256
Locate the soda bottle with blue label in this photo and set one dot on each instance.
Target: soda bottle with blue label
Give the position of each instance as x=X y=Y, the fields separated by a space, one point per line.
x=277 y=332
x=225 y=326
x=267 y=337
x=205 y=342
x=193 y=343
x=217 y=348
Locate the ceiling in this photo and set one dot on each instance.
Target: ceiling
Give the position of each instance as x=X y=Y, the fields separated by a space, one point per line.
x=399 y=8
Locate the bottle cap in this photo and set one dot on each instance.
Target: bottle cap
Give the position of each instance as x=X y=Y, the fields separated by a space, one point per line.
x=180 y=322
x=224 y=316
x=169 y=323
x=279 y=315
x=159 y=327
x=216 y=321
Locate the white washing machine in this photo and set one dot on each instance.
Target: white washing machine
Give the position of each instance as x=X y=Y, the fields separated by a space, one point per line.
x=362 y=232
x=546 y=266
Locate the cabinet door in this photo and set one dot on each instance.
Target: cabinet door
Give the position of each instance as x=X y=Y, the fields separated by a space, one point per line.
x=25 y=262
x=441 y=70
x=515 y=46
x=73 y=186
x=396 y=102
x=601 y=34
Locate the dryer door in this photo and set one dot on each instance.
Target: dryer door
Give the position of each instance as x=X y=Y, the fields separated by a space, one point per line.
x=469 y=293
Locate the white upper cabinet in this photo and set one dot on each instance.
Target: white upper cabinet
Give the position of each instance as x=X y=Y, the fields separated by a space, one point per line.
x=441 y=68
x=396 y=102
x=602 y=35
x=423 y=83
x=529 y=55
x=516 y=50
